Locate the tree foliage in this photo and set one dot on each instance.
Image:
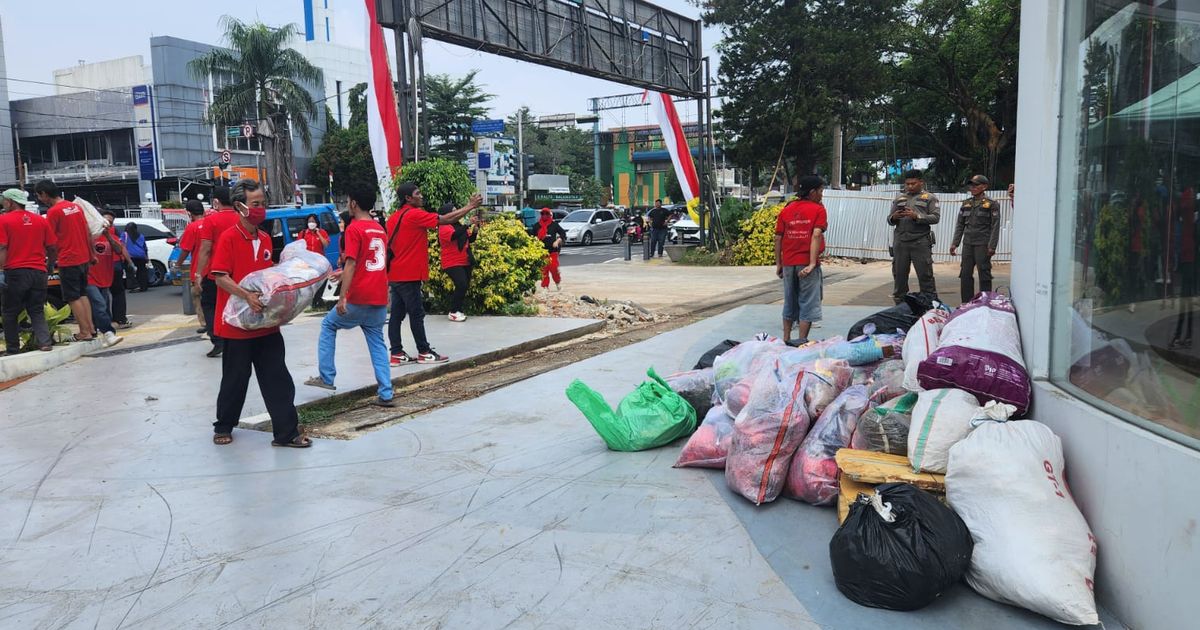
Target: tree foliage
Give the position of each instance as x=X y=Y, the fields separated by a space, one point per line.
x=452 y=105
x=270 y=85
x=346 y=152
x=440 y=180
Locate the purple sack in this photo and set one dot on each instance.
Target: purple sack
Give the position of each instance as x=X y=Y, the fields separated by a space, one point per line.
x=980 y=352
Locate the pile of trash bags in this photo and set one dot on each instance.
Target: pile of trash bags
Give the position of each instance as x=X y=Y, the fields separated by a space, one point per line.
x=944 y=389
x=286 y=289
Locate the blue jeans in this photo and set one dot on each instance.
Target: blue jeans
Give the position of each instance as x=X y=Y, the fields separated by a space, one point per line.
x=371 y=320
x=101 y=299
x=658 y=238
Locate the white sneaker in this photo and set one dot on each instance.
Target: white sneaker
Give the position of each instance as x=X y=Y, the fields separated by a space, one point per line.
x=457 y=317
x=111 y=339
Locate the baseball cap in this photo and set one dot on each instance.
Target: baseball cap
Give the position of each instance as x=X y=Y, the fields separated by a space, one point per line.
x=17 y=195
x=979 y=180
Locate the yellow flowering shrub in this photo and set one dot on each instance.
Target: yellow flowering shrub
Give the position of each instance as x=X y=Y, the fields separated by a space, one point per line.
x=756 y=238
x=508 y=265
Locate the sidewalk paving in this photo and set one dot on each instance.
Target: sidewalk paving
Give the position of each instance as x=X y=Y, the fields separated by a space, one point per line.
x=503 y=511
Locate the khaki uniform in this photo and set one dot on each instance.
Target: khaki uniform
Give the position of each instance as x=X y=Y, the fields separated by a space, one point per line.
x=912 y=244
x=978 y=229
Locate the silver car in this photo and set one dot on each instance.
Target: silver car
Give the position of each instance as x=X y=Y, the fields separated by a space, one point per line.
x=588 y=226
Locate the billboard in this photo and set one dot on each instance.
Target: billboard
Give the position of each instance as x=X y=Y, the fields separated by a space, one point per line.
x=143 y=132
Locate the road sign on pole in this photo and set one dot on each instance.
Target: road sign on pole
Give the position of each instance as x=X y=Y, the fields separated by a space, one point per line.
x=487 y=126
x=247 y=130
x=226 y=156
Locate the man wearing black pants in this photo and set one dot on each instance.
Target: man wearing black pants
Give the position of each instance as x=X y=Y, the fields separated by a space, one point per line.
x=213 y=227
x=241 y=250
x=658 y=228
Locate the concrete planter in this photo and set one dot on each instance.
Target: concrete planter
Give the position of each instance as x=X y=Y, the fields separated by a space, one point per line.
x=676 y=252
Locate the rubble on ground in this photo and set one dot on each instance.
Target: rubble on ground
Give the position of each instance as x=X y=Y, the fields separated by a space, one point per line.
x=620 y=312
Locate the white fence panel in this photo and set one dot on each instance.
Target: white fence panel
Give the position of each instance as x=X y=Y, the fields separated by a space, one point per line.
x=858 y=225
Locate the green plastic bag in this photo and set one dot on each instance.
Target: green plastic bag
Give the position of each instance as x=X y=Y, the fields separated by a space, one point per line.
x=649 y=417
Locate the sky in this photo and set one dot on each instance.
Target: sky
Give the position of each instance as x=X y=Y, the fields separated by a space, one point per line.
x=37 y=42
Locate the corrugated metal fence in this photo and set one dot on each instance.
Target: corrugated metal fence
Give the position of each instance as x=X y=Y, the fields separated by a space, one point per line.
x=858 y=225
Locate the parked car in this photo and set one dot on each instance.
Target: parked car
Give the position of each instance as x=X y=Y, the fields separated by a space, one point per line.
x=160 y=241
x=587 y=226
x=685 y=230
x=283 y=224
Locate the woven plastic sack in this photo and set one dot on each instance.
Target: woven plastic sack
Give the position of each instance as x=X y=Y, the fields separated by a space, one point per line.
x=287 y=289
x=696 y=387
x=980 y=352
x=899 y=549
x=884 y=429
x=940 y=419
x=709 y=445
x=1033 y=548
x=813 y=474
x=921 y=341
x=650 y=416
x=765 y=436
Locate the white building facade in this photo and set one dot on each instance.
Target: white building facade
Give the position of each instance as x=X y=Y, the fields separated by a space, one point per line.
x=1104 y=278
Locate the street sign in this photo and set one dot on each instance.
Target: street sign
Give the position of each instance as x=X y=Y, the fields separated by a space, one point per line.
x=556 y=120
x=247 y=130
x=487 y=126
x=226 y=156
x=233 y=132
x=483 y=162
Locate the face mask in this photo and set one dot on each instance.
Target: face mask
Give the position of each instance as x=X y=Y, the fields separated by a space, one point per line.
x=255 y=214
x=312 y=226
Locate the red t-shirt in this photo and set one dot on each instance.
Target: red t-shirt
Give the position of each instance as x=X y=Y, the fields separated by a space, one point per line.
x=101 y=273
x=452 y=256
x=190 y=241
x=796 y=223
x=211 y=229
x=410 y=247
x=26 y=235
x=312 y=239
x=71 y=229
x=234 y=254
x=366 y=243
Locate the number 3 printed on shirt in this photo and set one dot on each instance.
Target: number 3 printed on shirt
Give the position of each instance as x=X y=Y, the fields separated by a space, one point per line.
x=378 y=255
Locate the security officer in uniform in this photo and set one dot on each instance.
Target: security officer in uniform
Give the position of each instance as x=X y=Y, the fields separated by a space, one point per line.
x=913 y=213
x=979 y=231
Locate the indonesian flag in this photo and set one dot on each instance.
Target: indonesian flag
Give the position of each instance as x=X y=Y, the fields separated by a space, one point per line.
x=383 y=124
x=676 y=143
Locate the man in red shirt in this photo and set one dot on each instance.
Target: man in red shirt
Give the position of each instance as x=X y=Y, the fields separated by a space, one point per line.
x=408 y=267
x=108 y=250
x=189 y=244
x=26 y=242
x=74 y=253
x=363 y=302
x=799 y=242
x=215 y=224
x=240 y=250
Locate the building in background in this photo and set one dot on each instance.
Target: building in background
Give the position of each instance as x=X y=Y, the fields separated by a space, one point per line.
x=8 y=163
x=343 y=66
x=639 y=164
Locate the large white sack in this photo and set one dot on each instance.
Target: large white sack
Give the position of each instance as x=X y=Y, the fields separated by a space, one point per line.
x=1033 y=548
x=940 y=418
x=919 y=343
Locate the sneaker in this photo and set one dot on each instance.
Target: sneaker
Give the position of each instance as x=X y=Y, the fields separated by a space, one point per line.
x=214 y=353
x=457 y=317
x=379 y=402
x=317 y=381
x=111 y=339
x=431 y=357
x=401 y=358
x=123 y=325
x=201 y=331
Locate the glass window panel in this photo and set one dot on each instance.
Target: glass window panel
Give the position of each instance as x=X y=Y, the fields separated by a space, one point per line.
x=1126 y=257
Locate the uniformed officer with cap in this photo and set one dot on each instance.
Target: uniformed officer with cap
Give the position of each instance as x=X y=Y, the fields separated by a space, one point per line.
x=978 y=230
x=913 y=213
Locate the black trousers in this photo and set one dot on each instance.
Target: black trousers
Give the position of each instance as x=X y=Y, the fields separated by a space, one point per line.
x=142 y=274
x=974 y=256
x=208 y=305
x=118 y=295
x=266 y=356
x=406 y=301
x=919 y=255
x=461 y=276
x=26 y=291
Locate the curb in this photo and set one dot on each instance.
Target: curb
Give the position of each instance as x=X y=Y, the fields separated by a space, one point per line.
x=262 y=421
x=30 y=363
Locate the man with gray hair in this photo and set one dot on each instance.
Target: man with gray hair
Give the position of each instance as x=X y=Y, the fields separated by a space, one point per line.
x=26 y=242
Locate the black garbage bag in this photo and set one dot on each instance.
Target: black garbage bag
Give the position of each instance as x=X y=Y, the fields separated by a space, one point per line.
x=900 y=549
x=706 y=359
x=901 y=316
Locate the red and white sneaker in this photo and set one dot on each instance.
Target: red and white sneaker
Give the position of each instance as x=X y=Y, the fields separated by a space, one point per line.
x=401 y=358
x=431 y=357
x=457 y=317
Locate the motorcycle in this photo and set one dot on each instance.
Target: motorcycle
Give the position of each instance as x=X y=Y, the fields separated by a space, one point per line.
x=634 y=232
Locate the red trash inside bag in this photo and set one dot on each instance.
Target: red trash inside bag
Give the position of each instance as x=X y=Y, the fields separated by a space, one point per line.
x=766 y=435
x=709 y=445
x=813 y=474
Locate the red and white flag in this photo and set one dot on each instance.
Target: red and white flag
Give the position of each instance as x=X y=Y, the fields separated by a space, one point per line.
x=383 y=123
x=677 y=146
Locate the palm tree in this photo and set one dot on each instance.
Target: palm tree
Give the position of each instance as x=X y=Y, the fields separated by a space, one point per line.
x=268 y=85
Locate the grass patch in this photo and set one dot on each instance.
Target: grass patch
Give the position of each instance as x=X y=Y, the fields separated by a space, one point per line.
x=701 y=257
x=522 y=308
x=324 y=410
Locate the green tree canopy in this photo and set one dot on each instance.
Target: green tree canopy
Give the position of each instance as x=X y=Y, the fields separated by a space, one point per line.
x=452 y=105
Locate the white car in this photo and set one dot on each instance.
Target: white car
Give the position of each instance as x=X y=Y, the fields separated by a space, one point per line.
x=685 y=229
x=160 y=241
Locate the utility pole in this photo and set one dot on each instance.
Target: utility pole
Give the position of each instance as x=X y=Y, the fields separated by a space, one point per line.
x=836 y=174
x=520 y=158
x=596 y=139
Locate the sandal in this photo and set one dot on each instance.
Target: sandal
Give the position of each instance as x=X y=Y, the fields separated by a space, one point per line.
x=300 y=441
x=76 y=337
x=222 y=439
